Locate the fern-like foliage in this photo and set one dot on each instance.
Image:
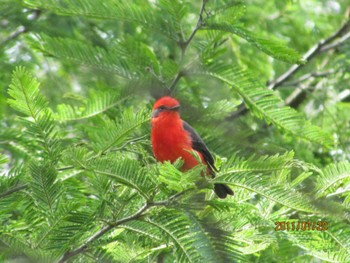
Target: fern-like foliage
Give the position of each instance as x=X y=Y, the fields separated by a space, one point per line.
x=332 y=178
x=331 y=245
x=275 y=49
x=265 y=164
x=96 y=104
x=25 y=94
x=190 y=240
x=115 y=10
x=127 y=172
x=265 y=104
x=85 y=54
x=27 y=99
x=109 y=133
x=260 y=184
x=46 y=190
x=78 y=181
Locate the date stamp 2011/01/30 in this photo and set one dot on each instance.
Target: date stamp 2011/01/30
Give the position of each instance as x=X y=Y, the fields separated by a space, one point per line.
x=301 y=226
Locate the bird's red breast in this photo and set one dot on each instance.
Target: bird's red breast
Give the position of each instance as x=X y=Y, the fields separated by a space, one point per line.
x=170 y=140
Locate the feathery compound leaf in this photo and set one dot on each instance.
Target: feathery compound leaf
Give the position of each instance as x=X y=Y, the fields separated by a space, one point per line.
x=46 y=190
x=178 y=228
x=262 y=164
x=261 y=185
x=24 y=90
x=113 y=133
x=143 y=228
x=144 y=15
x=332 y=177
x=219 y=109
x=82 y=53
x=214 y=244
x=27 y=99
x=98 y=102
x=229 y=12
x=277 y=50
x=125 y=171
x=265 y=104
x=330 y=245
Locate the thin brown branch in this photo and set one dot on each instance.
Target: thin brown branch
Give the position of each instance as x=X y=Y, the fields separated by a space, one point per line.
x=184 y=45
x=337 y=43
x=103 y=231
x=309 y=76
x=308 y=56
x=178 y=76
x=20 y=30
x=13 y=190
x=117 y=223
x=83 y=247
x=199 y=24
x=336 y=39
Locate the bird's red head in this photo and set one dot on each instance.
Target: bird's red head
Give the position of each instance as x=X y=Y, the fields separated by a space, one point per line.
x=165 y=104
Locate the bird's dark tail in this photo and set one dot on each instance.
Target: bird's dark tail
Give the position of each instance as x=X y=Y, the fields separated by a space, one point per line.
x=222 y=190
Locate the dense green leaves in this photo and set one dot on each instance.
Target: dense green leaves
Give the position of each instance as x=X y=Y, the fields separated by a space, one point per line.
x=25 y=94
x=46 y=191
x=332 y=178
x=78 y=181
x=264 y=103
x=27 y=99
x=274 y=49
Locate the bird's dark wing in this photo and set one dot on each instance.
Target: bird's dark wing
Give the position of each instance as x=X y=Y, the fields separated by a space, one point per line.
x=199 y=145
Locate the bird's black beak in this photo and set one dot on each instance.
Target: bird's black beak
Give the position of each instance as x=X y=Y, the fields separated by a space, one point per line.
x=155 y=113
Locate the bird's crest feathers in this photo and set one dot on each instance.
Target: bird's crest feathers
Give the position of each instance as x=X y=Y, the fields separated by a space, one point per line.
x=166 y=101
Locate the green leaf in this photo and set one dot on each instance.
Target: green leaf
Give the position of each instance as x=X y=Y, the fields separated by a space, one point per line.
x=144 y=15
x=332 y=177
x=230 y=12
x=83 y=53
x=45 y=188
x=261 y=184
x=275 y=163
x=27 y=99
x=24 y=90
x=179 y=229
x=275 y=49
x=331 y=245
x=109 y=133
x=98 y=103
x=124 y=171
x=3 y=159
x=265 y=104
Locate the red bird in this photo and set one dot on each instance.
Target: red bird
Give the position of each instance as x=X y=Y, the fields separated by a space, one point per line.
x=173 y=138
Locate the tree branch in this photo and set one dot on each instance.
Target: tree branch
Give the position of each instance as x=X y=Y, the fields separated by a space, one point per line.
x=311 y=75
x=337 y=43
x=175 y=80
x=308 y=56
x=13 y=190
x=199 y=24
x=341 y=35
x=184 y=45
x=20 y=30
x=117 y=223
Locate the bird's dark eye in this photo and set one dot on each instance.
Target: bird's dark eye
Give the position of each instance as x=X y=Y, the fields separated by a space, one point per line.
x=161 y=108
